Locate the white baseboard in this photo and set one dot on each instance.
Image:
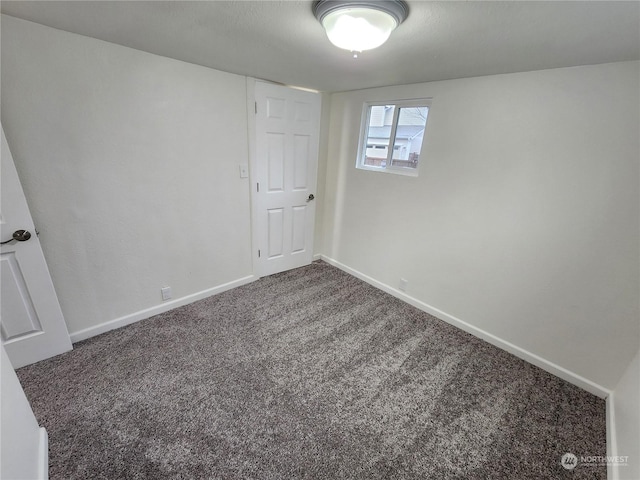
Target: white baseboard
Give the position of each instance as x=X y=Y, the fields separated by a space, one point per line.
x=317 y=256
x=163 y=307
x=43 y=459
x=532 y=358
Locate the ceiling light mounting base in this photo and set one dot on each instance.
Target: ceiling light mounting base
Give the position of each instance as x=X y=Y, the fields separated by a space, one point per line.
x=398 y=9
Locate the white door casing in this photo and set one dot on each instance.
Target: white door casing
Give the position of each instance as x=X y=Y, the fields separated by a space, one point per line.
x=287 y=123
x=31 y=321
x=24 y=451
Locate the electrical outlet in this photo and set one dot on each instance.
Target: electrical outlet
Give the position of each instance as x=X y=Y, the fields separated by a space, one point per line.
x=166 y=293
x=403 y=284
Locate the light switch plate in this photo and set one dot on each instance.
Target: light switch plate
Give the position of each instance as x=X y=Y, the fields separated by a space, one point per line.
x=244 y=171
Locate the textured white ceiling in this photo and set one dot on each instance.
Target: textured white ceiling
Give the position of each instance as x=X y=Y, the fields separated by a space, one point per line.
x=282 y=41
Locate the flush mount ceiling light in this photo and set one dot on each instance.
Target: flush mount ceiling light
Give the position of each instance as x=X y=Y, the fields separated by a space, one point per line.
x=359 y=25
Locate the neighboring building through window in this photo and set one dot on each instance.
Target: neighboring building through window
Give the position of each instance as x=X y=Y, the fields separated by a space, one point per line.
x=392 y=135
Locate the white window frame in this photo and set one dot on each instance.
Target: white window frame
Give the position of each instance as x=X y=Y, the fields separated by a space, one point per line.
x=364 y=129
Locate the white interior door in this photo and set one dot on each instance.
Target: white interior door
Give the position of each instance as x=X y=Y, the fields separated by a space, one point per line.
x=31 y=321
x=287 y=136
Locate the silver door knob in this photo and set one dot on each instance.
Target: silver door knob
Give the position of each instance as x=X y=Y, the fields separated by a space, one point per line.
x=19 y=236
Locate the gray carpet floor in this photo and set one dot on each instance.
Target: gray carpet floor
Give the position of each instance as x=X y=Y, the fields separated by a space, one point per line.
x=308 y=374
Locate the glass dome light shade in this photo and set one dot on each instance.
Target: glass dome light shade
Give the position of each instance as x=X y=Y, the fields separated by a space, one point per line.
x=358 y=29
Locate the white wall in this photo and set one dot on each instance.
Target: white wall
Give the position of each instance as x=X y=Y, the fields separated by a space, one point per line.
x=130 y=165
x=626 y=402
x=23 y=452
x=524 y=219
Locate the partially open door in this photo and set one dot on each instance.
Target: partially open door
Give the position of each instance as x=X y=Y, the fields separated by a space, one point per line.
x=31 y=321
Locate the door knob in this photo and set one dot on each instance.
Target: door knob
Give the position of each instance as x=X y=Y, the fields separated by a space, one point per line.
x=311 y=197
x=19 y=236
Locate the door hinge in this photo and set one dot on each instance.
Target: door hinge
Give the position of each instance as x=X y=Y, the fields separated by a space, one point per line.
x=258 y=253
x=256 y=106
x=257 y=187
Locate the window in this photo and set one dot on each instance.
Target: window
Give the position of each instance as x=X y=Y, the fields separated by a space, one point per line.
x=392 y=135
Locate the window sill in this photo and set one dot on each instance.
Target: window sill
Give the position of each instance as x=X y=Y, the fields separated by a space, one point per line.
x=407 y=172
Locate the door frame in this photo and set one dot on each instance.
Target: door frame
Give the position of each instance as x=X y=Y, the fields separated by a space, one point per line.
x=251 y=136
x=25 y=445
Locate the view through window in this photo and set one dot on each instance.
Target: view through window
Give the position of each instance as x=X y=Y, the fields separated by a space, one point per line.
x=393 y=135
